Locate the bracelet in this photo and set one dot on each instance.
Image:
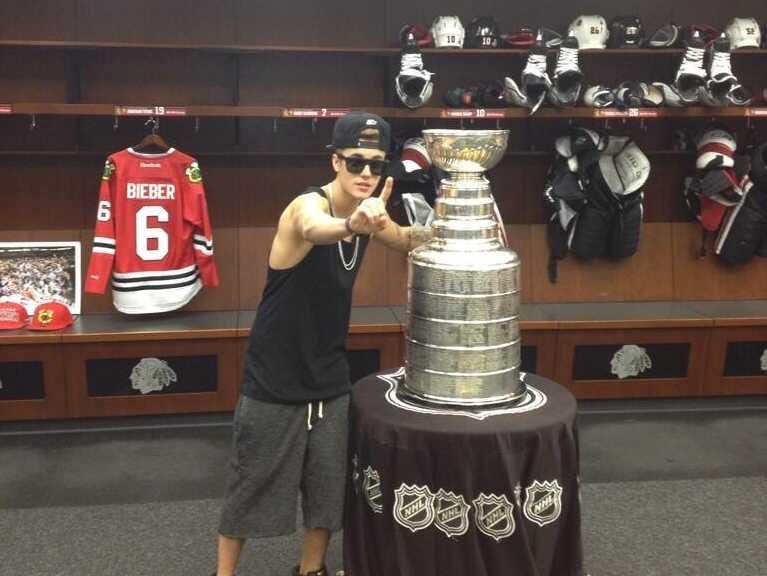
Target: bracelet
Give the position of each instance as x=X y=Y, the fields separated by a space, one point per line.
x=348 y=224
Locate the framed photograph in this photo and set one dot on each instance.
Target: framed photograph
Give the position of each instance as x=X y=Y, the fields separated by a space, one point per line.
x=35 y=272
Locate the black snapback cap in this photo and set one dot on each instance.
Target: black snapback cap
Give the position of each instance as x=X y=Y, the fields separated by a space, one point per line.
x=349 y=128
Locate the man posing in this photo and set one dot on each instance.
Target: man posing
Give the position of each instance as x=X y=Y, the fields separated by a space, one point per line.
x=290 y=424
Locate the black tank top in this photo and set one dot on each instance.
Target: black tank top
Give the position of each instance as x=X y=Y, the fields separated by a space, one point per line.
x=297 y=347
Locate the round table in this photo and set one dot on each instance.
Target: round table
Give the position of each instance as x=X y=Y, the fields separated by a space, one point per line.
x=437 y=491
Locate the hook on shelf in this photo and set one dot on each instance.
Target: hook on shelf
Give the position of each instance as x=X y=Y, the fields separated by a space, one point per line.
x=314 y=125
x=274 y=125
x=196 y=124
x=33 y=123
x=115 y=123
x=155 y=122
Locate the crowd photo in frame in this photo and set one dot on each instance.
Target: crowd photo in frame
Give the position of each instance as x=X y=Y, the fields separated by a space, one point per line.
x=32 y=273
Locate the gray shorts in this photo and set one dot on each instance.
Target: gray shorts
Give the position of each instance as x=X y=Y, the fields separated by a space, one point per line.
x=275 y=456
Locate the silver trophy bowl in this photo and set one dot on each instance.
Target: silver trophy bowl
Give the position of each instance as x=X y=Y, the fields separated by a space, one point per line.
x=466 y=151
x=462 y=341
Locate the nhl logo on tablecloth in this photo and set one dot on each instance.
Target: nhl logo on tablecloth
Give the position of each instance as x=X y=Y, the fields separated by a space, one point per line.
x=371 y=487
x=451 y=513
x=413 y=507
x=543 y=502
x=493 y=516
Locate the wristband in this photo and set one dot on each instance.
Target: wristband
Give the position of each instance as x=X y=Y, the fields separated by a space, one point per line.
x=348 y=224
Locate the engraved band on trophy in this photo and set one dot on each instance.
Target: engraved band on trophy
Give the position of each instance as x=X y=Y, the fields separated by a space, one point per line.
x=462 y=339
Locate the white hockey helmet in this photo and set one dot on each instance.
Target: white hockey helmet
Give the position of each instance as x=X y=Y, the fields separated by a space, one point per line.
x=591 y=31
x=448 y=32
x=744 y=33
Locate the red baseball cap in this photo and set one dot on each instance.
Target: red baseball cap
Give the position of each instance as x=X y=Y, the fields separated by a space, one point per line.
x=50 y=316
x=12 y=316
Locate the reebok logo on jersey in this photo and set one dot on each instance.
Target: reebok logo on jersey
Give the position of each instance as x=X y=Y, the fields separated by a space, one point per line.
x=150 y=191
x=150 y=165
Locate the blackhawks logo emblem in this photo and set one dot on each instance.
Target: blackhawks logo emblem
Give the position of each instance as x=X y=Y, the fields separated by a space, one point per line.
x=193 y=173
x=109 y=169
x=45 y=316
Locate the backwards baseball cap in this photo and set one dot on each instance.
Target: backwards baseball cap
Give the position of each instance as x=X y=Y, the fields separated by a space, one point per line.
x=50 y=316
x=12 y=316
x=361 y=130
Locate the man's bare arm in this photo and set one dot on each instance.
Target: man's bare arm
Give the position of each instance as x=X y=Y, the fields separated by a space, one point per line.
x=308 y=216
x=404 y=238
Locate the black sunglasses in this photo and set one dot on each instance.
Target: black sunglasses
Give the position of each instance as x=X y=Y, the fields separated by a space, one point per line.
x=356 y=164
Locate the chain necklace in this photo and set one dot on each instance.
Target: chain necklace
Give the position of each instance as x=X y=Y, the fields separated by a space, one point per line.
x=347 y=265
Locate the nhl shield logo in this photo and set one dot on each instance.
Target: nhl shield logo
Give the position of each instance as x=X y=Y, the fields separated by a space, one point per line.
x=543 y=502
x=371 y=486
x=493 y=516
x=451 y=513
x=413 y=507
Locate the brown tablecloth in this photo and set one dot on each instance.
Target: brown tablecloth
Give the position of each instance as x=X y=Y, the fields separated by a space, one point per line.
x=436 y=492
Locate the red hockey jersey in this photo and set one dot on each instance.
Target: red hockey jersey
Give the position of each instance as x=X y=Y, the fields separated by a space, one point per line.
x=153 y=234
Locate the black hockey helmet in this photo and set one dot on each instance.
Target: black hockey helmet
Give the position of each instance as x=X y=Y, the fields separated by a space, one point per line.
x=626 y=32
x=483 y=32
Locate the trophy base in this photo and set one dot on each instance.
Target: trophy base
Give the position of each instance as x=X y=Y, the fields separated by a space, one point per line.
x=497 y=401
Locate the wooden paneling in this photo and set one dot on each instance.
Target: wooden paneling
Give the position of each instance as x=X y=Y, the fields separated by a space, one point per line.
x=716 y=381
x=303 y=22
x=226 y=295
x=151 y=77
x=222 y=190
x=545 y=342
x=193 y=135
x=38 y=19
x=39 y=134
x=166 y=22
x=287 y=137
x=644 y=276
x=82 y=405
x=689 y=385
x=41 y=236
x=396 y=278
x=268 y=184
x=33 y=75
x=517 y=184
x=38 y=192
x=310 y=80
x=369 y=290
x=254 y=246
x=389 y=345
x=54 y=405
x=663 y=200
x=709 y=278
x=520 y=240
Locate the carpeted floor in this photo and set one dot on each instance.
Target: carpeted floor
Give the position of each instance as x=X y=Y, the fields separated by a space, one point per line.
x=670 y=489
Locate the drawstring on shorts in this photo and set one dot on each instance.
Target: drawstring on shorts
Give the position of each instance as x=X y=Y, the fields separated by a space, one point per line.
x=318 y=410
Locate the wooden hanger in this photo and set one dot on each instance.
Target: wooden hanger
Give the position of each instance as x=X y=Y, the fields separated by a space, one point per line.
x=153 y=139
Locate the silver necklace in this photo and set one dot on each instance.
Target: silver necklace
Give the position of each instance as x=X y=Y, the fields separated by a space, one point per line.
x=348 y=265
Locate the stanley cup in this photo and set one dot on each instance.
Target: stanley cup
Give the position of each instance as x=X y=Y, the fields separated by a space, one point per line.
x=462 y=339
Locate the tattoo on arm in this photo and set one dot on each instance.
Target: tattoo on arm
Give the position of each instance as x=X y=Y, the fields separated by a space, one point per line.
x=418 y=235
